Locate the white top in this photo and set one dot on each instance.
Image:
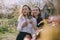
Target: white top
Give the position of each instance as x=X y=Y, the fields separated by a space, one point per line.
x=29 y=28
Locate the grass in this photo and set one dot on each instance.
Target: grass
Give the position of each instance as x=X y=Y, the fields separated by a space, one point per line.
x=8 y=36
x=11 y=32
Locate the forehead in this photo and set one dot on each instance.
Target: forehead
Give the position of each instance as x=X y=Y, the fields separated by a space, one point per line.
x=25 y=7
x=27 y=35
x=35 y=8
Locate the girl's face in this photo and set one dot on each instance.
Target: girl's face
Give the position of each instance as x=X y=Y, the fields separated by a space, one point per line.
x=25 y=10
x=35 y=11
x=27 y=37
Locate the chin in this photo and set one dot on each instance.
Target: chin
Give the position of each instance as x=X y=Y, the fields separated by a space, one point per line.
x=26 y=39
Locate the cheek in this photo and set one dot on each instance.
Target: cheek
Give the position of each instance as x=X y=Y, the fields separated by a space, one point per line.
x=27 y=38
x=38 y=12
x=33 y=11
x=25 y=11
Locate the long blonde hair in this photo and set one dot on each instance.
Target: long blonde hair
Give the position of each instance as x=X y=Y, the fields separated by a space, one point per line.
x=20 y=11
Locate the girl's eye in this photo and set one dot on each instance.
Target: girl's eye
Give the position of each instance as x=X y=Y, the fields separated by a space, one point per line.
x=36 y=10
x=25 y=8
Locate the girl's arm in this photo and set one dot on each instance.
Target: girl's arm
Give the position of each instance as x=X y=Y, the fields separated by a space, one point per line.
x=19 y=27
x=33 y=22
x=35 y=27
x=20 y=23
x=40 y=22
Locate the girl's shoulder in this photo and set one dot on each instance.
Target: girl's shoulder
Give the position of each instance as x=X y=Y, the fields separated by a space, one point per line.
x=39 y=18
x=20 y=18
x=33 y=18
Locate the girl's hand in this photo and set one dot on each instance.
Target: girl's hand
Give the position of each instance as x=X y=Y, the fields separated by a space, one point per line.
x=24 y=24
x=31 y=22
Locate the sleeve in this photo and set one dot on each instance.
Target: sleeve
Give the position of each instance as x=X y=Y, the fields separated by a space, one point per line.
x=34 y=20
x=20 y=23
x=40 y=18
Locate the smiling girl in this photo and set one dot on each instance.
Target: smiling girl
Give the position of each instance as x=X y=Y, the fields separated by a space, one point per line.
x=26 y=24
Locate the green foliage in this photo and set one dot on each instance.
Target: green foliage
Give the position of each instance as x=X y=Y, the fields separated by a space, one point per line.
x=6 y=28
x=9 y=21
x=3 y=30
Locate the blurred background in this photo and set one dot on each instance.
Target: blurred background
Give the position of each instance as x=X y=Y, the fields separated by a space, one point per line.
x=9 y=12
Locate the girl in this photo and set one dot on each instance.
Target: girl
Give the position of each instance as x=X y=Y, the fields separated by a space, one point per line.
x=26 y=22
x=24 y=36
x=27 y=36
x=37 y=14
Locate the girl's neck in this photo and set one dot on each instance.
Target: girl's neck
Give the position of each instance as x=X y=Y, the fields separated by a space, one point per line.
x=36 y=16
x=25 y=16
